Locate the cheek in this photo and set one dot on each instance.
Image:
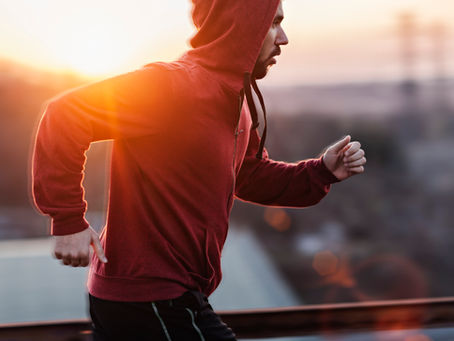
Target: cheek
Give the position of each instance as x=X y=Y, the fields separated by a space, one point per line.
x=267 y=47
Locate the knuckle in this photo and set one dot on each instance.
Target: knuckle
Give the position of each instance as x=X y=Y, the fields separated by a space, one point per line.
x=67 y=257
x=84 y=256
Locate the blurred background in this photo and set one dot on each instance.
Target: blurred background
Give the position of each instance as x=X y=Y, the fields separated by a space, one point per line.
x=381 y=71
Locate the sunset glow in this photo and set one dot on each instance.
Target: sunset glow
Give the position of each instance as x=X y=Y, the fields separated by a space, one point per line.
x=93 y=38
x=329 y=41
x=92 y=49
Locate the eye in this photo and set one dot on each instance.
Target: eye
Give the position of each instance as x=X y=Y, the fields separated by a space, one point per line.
x=277 y=22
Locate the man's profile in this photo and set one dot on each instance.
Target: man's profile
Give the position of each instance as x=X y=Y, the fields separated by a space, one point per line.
x=185 y=145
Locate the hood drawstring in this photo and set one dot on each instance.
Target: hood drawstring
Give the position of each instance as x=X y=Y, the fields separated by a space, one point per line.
x=262 y=103
x=247 y=82
x=250 y=100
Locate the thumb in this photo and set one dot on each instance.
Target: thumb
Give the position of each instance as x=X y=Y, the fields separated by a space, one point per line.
x=338 y=146
x=98 y=248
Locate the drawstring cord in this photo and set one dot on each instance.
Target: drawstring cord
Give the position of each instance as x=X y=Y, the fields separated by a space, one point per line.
x=262 y=103
x=247 y=82
x=250 y=100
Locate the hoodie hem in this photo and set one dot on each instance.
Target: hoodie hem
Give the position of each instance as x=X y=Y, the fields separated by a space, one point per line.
x=133 y=289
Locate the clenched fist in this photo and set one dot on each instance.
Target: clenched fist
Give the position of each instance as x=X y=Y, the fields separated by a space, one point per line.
x=74 y=249
x=345 y=158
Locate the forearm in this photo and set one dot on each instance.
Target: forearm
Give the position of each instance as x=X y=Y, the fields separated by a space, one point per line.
x=269 y=182
x=58 y=161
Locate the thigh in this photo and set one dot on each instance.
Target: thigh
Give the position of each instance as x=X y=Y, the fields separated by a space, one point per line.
x=156 y=321
x=203 y=324
x=189 y=324
x=211 y=326
x=124 y=321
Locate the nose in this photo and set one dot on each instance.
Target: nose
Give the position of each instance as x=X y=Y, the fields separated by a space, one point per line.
x=281 y=38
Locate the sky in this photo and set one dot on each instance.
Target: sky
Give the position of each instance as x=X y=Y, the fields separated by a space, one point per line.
x=330 y=41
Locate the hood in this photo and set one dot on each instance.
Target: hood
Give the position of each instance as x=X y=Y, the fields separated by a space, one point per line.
x=230 y=34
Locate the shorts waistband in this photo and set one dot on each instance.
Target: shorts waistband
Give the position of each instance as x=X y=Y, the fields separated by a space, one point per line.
x=194 y=300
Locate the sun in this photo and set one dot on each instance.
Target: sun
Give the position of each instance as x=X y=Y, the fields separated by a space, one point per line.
x=93 y=47
x=94 y=51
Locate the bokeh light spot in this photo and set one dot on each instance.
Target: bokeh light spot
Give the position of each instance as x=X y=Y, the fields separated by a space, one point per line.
x=325 y=263
x=277 y=218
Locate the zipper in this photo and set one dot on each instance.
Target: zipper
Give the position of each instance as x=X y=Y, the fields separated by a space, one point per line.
x=235 y=142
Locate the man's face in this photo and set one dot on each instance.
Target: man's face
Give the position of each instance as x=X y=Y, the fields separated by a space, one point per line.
x=271 y=46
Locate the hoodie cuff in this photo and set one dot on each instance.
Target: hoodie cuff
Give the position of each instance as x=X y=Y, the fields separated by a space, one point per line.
x=324 y=174
x=69 y=225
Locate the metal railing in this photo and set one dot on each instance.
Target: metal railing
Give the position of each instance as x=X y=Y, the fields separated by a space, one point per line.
x=278 y=322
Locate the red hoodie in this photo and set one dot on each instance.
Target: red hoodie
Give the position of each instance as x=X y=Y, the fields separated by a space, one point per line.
x=183 y=147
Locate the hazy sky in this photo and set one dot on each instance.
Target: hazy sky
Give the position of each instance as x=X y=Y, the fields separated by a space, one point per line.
x=330 y=41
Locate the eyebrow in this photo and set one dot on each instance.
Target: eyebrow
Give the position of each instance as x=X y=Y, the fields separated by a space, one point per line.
x=279 y=18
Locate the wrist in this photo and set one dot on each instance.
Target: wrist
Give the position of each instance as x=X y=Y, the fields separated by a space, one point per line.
x=63 y=227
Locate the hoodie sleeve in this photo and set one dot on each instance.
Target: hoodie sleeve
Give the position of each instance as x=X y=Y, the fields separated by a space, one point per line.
x=129 y=105
x=275 y=183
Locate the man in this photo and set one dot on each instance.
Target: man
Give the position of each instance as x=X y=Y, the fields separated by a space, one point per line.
x=185 y=144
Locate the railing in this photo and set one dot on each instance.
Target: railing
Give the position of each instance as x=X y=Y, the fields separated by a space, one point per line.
x=343 y=318
x=295 y=321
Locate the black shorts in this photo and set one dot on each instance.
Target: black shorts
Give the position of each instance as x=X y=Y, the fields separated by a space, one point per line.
x=187 y=318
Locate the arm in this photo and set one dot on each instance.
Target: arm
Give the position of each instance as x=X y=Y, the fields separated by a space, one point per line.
x=301 y=184
x=114 y=108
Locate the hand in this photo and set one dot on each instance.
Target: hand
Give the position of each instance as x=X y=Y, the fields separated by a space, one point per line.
x=344 y=158
x=74 y=249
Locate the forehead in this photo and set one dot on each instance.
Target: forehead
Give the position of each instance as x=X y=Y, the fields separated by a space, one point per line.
x=280 y=11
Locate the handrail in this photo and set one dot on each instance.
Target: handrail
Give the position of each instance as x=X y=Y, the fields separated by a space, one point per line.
x=342 y=318
x=279 y=322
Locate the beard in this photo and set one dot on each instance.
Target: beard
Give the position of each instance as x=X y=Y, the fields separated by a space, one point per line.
x=260 y=70
x=261 y=67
